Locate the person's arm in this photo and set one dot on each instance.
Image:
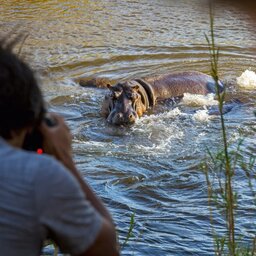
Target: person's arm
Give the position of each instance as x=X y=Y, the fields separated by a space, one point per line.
x=57 y=142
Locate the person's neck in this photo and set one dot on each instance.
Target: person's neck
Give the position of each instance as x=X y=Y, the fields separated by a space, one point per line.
x=17 y=138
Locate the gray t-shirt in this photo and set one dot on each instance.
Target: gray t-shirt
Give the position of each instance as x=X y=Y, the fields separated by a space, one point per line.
x=39 y=198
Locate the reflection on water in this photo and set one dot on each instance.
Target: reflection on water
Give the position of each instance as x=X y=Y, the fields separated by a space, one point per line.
x=153 y=168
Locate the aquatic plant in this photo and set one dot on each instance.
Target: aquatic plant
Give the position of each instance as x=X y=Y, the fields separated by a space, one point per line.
x=130 y=231
x=220 y=171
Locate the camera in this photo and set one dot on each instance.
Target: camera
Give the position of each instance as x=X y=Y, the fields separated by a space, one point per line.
x=34 y=140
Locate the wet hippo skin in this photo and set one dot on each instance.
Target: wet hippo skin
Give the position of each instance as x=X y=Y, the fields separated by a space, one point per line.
x=127 y=101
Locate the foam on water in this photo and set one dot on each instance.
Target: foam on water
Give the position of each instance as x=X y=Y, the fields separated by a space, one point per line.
x=202 y=116
x=247 y=80
x=161 y=116
x=196 y=100
x=159 y=131
x=163 y=130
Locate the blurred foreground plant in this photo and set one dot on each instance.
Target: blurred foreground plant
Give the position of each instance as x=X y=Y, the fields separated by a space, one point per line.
x=130 y=231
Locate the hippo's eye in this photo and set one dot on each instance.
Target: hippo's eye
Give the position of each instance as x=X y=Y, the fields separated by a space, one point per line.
x=116 y=94
x=132 y=96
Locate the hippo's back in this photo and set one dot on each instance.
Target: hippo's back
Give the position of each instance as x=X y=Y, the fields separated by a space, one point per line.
x=176 y=84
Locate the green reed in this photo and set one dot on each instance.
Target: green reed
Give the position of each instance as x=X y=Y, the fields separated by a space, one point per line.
x=220 y=173
x=130 y=231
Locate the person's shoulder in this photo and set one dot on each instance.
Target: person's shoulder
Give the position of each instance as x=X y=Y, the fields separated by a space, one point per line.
x=53 y=175
x=27 y=165
x=38 y=161
x=48 y=167
x=40 y=166
x=21 y=158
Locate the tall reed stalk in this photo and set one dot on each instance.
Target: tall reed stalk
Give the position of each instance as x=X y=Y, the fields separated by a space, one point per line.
x=228 y=193
x=224 y=164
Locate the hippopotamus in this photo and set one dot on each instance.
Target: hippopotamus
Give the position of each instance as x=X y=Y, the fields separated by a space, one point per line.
x=129 y=100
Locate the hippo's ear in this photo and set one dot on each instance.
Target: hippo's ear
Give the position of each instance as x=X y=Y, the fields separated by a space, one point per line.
x=135 y=87
x=110 y=87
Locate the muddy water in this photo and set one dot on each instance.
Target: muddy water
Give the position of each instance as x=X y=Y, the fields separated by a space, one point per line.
x=153 y=168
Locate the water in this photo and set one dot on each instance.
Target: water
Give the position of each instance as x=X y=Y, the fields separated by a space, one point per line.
x=152 y=168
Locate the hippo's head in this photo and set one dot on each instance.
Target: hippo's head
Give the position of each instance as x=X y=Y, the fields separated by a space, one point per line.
x=124 y=104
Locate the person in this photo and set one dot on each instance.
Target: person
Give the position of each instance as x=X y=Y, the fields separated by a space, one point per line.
x=42 y=195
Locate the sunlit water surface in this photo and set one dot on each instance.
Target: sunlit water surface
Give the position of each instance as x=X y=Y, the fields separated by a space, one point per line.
x=152 y=169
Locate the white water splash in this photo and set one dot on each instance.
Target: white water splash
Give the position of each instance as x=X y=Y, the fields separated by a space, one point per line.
x=160 y=131
x=196 y=100
x=202 y=116
x=247 y=80
x=159 y=117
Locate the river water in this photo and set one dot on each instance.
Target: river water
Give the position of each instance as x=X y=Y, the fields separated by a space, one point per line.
x=153 y=168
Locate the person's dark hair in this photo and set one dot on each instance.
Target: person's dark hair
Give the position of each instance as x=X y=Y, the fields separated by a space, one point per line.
x=21 y=101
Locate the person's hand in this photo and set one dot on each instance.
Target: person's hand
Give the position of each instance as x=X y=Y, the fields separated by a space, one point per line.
x=57 y=139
